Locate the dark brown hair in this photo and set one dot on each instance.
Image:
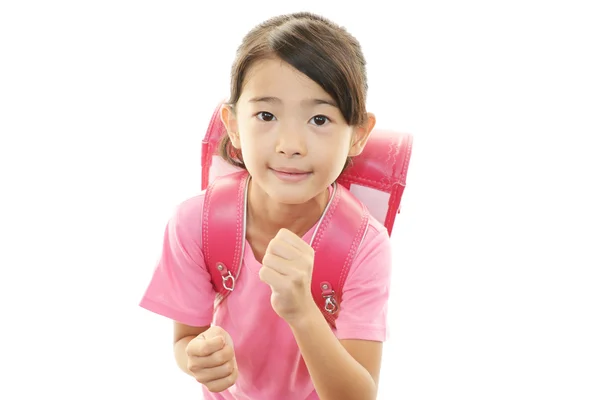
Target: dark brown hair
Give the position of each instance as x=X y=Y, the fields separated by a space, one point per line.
x=322 y=50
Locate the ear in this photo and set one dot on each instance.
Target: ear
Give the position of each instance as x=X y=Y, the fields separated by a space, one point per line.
x=361 y=134
x=229 y=120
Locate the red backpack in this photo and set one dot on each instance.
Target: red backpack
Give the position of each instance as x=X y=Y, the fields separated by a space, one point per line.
x=373 y=183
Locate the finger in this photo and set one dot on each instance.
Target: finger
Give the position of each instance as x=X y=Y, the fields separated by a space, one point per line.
x=281 y=248
x=214 y=331
x=221 y=384
x=206 y=375
x=220 y=357
x=276 y=263
x=201 y=346
x=271 y=277
x=293 y=240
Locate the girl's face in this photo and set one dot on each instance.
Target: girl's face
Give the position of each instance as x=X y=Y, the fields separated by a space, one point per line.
x=293 y=138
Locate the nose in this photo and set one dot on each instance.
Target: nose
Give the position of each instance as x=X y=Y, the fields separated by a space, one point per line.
x=291 y=142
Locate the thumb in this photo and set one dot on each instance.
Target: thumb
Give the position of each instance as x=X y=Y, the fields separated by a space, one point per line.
x=202 y=346
x=218 y=332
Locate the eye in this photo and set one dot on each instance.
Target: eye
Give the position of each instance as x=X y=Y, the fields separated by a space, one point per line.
x=320 y=120
x=265 y=116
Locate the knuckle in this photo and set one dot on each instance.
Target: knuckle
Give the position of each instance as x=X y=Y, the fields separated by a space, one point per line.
x=228 y=368
x=219 y=358
x=200 y=378
x=267 y=257
x=189 y=349
x=193 y=367
x=262 y=273
x=227 y=353
x=230 y=379
x=217 y=386
x=213 y=388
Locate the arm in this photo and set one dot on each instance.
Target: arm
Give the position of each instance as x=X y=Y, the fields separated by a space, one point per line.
x=346 y=368
x=340 y=369
x=181 y=288
x=346 y=364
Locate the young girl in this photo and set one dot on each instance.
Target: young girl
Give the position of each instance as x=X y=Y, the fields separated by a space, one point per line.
x=295 y=118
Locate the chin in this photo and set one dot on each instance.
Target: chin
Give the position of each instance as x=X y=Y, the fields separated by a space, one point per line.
x=291 y=197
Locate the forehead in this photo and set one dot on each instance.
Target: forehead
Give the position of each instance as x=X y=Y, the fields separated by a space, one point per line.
x=273 y=77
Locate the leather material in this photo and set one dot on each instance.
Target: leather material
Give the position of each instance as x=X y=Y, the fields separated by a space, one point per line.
x=336 y=242
x=223 y=230
x=383 y=165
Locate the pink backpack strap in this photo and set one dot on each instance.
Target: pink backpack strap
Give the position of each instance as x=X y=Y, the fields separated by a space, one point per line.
x=336 y=241
x=224 y=231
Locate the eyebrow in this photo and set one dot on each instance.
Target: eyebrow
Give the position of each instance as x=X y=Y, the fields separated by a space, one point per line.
x=277 y=100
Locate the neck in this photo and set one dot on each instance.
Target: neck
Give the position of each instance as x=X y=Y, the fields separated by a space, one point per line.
x=270 y=216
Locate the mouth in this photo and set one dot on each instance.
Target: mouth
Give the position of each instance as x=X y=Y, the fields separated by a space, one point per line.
x=290 y=174
x=290 y=171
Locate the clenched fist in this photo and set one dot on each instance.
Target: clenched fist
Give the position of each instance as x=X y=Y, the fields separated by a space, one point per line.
x=287 y=268
x=211 y=359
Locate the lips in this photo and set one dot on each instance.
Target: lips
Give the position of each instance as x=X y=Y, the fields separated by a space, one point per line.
x=290 y=174
x=290 y=171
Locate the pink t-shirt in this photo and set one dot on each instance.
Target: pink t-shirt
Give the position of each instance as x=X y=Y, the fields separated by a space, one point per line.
x=269 y=361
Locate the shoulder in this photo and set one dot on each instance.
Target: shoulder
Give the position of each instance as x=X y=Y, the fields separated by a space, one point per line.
x=373 y=260
x=376 y=230
x=181 y=287
x=366 y=290
x=191 y=207
x=376 y=240
x=186 y=219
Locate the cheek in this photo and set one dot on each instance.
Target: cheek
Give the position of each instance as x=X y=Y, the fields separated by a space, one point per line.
x=332 y=148
x=247 y=150
x=245 y=140
x=253 y=149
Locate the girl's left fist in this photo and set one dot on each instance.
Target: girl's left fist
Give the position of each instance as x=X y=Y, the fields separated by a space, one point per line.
x=287 y=268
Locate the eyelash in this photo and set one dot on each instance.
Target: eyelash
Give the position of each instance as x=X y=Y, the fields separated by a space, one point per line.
x=316 y=116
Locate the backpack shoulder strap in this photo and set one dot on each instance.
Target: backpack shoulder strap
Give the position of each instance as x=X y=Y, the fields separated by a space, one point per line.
x=336 y=241
x=224 y=231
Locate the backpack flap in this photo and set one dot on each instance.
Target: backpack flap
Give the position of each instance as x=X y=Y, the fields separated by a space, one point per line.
x=377 y=176
x=213 y=164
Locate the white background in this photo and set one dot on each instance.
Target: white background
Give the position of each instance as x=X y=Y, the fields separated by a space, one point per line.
x=103 y=106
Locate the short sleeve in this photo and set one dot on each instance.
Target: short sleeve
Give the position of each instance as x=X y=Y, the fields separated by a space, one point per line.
x=180 y=287
x=364 y=305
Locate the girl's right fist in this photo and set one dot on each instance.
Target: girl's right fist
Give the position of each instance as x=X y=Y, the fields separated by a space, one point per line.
x=211 y=359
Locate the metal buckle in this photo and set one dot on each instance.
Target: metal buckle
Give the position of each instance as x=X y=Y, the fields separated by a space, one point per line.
x=226 y=278
x=330 y=305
